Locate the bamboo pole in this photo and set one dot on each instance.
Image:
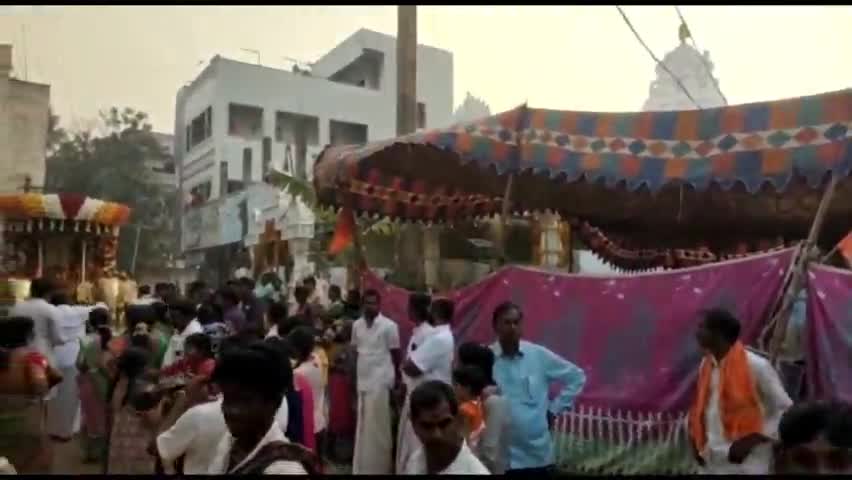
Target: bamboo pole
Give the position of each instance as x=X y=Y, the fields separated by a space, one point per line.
x=504 y=217
x=782 y=316
x=83 y=262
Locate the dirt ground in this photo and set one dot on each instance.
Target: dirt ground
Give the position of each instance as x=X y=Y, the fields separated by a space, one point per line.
x=68 y=459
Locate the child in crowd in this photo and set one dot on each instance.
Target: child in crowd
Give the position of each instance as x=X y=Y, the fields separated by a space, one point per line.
x=341 y=393
x=198 y=361
x=469 y=383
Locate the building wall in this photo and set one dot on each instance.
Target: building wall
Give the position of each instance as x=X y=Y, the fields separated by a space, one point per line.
x=330 y=94
x=24 y=110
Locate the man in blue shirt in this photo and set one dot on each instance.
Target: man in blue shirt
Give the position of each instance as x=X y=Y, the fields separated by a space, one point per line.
x=524 y=372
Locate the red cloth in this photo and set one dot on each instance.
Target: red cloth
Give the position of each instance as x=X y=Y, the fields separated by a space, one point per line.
x=344 y=232
x=304 y=389
x=37 y=359
x=203 y=368
x=341 y=415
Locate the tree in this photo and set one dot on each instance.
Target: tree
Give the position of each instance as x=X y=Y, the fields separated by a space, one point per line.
x=55 y=133
x=110 y=166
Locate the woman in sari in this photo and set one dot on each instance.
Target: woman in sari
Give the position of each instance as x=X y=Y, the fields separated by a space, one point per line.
x=133 y=399
x=25 y=378
x=139 y=318
x=93 y=383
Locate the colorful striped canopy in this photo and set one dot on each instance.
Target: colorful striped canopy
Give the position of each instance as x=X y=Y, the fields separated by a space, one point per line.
x=692 y=175
x=63 y=206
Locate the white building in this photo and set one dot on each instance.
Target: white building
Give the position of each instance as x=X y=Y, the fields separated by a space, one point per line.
x=236 y=120
x=24 y=110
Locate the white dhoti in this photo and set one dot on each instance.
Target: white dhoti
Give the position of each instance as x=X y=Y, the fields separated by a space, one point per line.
x=406 y=441
x=63 y=408
x=758 y=462
x=373 y=434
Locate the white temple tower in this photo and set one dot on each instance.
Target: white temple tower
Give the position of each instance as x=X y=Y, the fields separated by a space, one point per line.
x=472 y=108
x=695 y=71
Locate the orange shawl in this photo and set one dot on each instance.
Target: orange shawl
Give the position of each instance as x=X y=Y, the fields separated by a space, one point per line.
x=739 y=403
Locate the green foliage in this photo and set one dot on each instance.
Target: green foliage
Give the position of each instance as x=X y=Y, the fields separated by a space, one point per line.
x=110 y=166
x=296 y=187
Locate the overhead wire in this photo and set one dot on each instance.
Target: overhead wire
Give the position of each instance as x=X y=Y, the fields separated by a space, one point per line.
x=704 y=62
x=654 y=57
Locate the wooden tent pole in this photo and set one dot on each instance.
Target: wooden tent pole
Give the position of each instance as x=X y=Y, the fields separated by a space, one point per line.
x=504 y=217
x=782 y=316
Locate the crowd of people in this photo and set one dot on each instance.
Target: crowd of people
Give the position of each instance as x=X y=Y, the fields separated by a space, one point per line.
x=243 y=380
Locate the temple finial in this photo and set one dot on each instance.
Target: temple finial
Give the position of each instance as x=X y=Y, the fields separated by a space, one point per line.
x=683 y=32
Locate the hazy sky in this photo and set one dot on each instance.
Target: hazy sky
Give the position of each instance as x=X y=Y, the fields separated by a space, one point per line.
x=564 y=57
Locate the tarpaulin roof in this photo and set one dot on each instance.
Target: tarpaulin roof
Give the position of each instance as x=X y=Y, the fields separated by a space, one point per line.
x=751 y=169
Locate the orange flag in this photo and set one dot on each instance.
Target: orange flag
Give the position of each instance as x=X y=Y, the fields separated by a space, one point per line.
x=344 y=232
x=845 y=247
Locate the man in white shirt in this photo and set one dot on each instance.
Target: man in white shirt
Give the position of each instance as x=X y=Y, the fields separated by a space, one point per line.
x=63 y=409
x=183 y=319
x=45 y=317
x=376 y=340
x=144 y=297
x=196 y=436
x=431 y=360
x=734 y=436
x=253 y=381
x=438 y=424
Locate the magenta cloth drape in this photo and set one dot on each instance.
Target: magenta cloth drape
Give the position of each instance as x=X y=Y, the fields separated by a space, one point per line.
x=828 y=333
x=633 y=335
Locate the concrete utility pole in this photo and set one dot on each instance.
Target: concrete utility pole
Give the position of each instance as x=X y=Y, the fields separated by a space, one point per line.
x=406 y=69
x=409 y=240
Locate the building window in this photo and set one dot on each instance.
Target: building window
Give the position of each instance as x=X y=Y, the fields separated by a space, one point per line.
x=246 y=165
x=421 y=115
x=347 y=133
x=292 y=128
x=245 y=121
x=200 y=129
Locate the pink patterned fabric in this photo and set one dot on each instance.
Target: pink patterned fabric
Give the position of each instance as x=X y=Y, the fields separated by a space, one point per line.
x=633 y=335
x=828 y=333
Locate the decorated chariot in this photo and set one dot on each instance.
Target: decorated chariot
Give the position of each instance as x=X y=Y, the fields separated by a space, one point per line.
x=68 y=237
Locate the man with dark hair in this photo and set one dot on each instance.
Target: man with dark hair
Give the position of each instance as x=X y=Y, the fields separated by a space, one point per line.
x=434 y=413
x=196 y=292
x=376 y=339
x=277 y=314
x=232 y=315
x=525 y=373
x=251 y=306
x=161 y=291
x=418 y=313
x=738 y=404
x=183 y=316
x=144 y=297
x=253 y=385
x=815 y=439
x=47 y=330
x=201 y=434
x=431 y=359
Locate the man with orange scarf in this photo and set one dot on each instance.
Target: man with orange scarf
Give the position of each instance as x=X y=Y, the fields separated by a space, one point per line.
x=738 y=404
